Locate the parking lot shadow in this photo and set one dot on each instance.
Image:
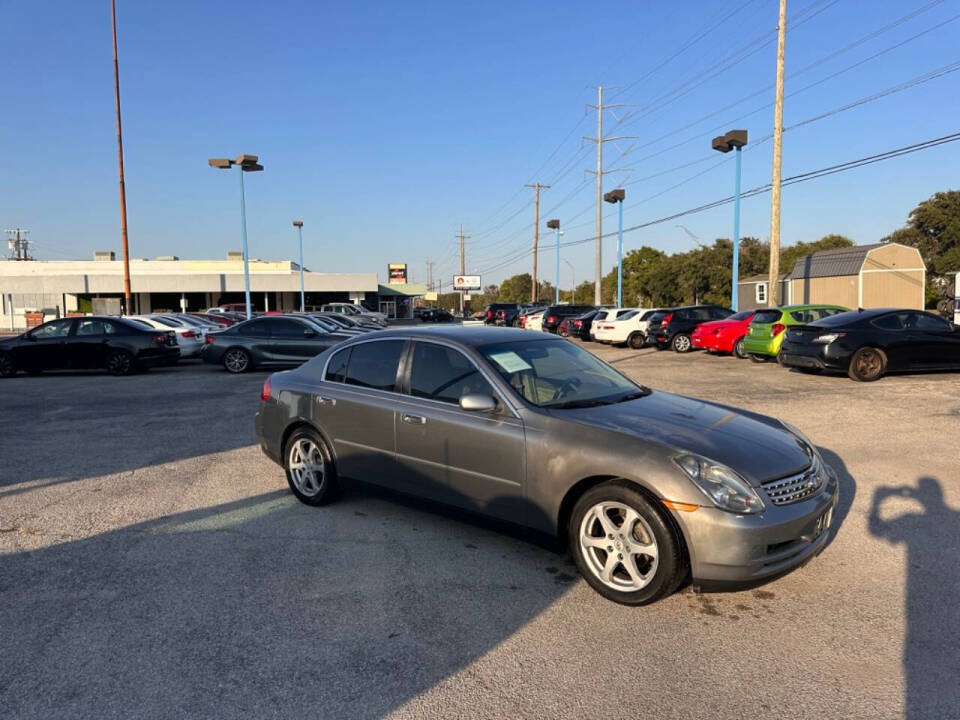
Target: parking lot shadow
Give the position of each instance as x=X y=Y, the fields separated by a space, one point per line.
x=68 y=426
x=848 y=490
x=263 y=607
x=931 y=649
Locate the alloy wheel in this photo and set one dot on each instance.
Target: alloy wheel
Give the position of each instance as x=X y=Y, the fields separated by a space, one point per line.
x=618 y=546
x=738 y=349
x=681 y=343
x=119 y=363
x=868 y=364
x=307 y=467
x=236 y=360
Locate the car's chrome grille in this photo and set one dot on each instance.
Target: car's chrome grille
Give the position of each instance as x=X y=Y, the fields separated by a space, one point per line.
x=796 y=487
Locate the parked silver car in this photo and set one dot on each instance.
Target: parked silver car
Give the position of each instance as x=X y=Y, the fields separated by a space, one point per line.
x=647 y=487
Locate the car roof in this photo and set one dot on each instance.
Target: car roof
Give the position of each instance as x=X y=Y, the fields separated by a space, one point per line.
x=472 y=335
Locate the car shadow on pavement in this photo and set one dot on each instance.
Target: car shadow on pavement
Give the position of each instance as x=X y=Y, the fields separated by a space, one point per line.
x=848 y=491
x=930 y=532
x=263 y=607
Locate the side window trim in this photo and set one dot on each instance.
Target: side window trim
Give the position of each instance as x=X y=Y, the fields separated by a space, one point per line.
x=351 y=347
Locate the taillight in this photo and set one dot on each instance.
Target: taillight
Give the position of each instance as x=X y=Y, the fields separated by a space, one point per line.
x=162 y=339
x=666 y=320
x=210 y=339
x=777 y=329
x=265 y=392
x=489 y=313
x=578 y=323
x=189 y=334
x=552 y=318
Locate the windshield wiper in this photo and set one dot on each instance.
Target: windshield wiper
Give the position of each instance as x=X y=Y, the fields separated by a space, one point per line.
x=633 y=395
x=572 y=404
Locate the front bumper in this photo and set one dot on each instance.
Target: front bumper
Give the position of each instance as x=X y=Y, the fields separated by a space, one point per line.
x=731 y=550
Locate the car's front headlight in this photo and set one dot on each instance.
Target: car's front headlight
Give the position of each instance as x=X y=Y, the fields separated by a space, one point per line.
x=723 y=486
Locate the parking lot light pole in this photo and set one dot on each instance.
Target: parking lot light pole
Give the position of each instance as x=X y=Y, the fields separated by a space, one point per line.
x=555 y=226
x=298 y=224
x=246 y=163
x=617 y=196
x=734 y=140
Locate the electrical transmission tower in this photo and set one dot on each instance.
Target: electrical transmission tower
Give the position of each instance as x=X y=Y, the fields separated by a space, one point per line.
x=600 y=172
x=536 y=235
x=19 y=244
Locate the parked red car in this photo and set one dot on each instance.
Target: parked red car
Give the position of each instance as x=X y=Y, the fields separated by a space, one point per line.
x=725 y=336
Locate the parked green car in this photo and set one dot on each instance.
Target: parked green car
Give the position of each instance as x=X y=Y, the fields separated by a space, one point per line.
x=767 y=329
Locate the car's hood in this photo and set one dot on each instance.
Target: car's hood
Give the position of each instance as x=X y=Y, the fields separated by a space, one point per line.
x=9 y=340
x=756 y=446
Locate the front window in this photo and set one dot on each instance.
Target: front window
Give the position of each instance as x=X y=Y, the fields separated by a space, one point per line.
x=444 y=374
x=761 y=289
x=558 y=374
x=53 y=329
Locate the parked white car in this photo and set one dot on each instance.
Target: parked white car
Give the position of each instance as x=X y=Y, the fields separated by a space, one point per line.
x=534 y=321
x=190 y=339
x=604 y=317
x=628 y=329
x=355 y=310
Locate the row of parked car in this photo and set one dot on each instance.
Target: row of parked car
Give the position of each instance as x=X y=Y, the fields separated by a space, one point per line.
x=865 y=344
x=123 y=345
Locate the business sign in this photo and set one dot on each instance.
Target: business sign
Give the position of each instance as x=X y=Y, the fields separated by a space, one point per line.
x=396 y=273
x=430 y=296
x=466 y=282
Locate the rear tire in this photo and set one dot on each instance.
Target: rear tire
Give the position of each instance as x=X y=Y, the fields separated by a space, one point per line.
x=738 y=349
x=681 y=343
x=643 y=561
x=758 y=358
x=7 y=368
x=120 y=362
x=237 y=360
x=309 y=467
x=867 y=364
x=636 y=340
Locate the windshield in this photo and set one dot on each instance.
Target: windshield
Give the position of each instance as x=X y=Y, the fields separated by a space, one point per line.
x=558 y=374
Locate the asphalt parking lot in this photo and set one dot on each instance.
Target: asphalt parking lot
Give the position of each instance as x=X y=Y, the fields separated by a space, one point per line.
x=153 y=564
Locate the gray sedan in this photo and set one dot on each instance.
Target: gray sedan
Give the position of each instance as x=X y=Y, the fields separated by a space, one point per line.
x=648 y=488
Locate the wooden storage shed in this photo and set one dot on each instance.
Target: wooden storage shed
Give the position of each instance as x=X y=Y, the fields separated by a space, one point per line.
x=867 y=276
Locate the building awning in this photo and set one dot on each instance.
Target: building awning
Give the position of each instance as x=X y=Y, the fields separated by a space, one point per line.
x=403 y=290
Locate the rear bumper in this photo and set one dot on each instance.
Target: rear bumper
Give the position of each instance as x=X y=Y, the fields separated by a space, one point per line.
x=159 y=356
x=819 y=357
x=762 y=346
x=732 y=551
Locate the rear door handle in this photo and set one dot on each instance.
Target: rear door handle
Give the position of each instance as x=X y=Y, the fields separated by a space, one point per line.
x=325 y=400
x=413 y=419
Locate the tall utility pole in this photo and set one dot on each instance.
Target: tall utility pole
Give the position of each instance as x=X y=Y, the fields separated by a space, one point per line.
x=430 y=264
x=19 y=244
x=463 y=264
x=599 y=172
x=537 y=187
x=123 y=188
x=773 y=286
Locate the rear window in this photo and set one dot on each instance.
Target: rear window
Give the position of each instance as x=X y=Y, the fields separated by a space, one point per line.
x=648 y=314
x=888 y=322
x=374 y=364
x=628 y=315
x=764 y=317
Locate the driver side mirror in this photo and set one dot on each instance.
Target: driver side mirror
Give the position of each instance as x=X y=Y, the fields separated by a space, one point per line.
x=478 y=402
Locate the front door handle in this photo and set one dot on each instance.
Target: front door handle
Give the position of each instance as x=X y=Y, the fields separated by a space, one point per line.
x=325 y=400
x=413 y=419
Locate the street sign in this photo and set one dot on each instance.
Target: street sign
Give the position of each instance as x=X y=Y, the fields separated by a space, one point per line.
x=466 y=282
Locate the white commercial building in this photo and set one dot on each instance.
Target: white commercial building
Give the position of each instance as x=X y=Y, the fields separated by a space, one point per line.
x=58 y=287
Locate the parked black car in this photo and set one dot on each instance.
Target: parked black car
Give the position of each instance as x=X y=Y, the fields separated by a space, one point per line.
x=867 y=344
x=507 y=317
x=676 y=325
x=436 y=315
x=553 y=315
x=490 y=312
x=272 y=340
x=580 y=325
x=88 y=343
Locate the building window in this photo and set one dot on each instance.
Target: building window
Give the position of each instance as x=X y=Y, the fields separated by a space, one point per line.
x=761 y=292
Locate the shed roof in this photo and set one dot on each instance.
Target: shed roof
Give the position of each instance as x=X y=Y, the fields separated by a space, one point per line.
x=833 y=263
x=761 y=278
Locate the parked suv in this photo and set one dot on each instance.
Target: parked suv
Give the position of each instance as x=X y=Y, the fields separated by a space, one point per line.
x=553 y=315
x=678 y=324
x=490 y=312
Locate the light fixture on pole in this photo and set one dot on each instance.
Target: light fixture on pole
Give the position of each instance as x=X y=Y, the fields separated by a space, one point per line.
x=734 y=140
x=246 y=163
x=298 y=224
x=617 y=196
x=555 y=226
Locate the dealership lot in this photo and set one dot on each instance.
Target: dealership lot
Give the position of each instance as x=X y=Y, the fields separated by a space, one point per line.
x=154 y=564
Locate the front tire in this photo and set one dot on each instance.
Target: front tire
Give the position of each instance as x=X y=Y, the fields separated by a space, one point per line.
x=867 y=364
x=309 y=467
x=681 y=343
x=623 y=546
x=237 y=360
x=120 y=362
x=636 y=340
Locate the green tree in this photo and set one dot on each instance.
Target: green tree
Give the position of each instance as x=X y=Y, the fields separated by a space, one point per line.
x=516 y=288
x=933 y=227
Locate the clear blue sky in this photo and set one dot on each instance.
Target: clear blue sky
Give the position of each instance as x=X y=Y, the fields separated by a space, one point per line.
x=385 y=125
